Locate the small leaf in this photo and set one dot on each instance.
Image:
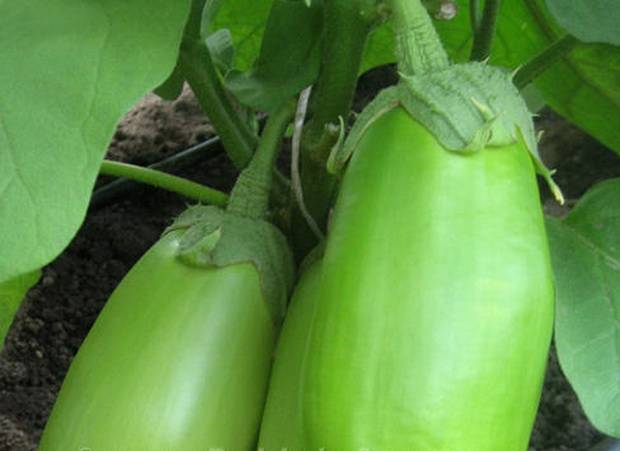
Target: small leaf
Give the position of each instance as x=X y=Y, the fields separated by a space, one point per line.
x=288 y=62
x=220 y=46
x=11 y=294
x=70 y=70
x=589 y=20
x=585 y=249
x=246 y=21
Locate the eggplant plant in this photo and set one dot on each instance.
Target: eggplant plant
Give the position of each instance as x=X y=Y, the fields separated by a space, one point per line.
x=429 y=282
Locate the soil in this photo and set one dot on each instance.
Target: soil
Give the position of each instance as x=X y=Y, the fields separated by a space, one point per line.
x=58 y=312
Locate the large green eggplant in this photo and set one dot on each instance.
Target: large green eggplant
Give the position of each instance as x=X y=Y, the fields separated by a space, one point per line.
x=434 y=313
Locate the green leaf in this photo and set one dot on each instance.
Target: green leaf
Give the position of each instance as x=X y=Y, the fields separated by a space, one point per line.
x=589 y=20
x=173 y=86
x=11 y=294
x=246 y=21
x=380 y=48
x=585 y=250
x=288 y=62
x=70 y=69
x=220 y=44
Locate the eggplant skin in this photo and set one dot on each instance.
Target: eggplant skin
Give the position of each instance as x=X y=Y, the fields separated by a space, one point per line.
x=179 y=359
x=434 y=313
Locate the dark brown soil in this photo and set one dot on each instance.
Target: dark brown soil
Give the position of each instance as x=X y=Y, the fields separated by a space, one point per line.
x=59 y=311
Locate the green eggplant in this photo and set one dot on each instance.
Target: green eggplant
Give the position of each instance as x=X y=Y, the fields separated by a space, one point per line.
x=434 y=309
x=178 y=359
x=180 y=356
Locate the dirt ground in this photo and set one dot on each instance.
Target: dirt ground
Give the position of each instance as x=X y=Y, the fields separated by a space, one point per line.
x=60 y=309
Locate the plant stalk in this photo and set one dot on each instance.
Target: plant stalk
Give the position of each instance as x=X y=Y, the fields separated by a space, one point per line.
x=165 y=181
x=485 y=31
x=347 y=26
x=474 y=16
x=194 y=21
x=202 y=76
x=544 y=60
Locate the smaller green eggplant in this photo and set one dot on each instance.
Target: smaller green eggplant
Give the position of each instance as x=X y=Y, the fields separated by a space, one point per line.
x=179 y=358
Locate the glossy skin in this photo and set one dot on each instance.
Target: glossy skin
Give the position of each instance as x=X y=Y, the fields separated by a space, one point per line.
x=178 y=360
x=435 y=309
x=282 y=425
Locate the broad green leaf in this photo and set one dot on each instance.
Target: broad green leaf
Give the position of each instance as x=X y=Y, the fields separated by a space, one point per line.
x=172 y=87
x=589 y=20
x=11 y=294
x=70 y=70
x=585 y=250
x=288 y=62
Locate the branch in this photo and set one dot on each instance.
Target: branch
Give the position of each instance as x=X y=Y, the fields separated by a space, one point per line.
x=165 y=181
x=544 y=60
x=485 y=31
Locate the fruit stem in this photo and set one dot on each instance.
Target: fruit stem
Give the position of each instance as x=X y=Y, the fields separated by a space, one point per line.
x=418 y=46
x=250 y=195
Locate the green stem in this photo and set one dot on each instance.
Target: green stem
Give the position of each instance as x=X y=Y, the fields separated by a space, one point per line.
x=484 y=33
x=348 y=24
x=418 y=45
x=250 y=195
x=545 y=59
x=297 y=188
x=474 y=16
x=194 y=21
x=168 y=182
x=183 y=159
x=201 y=74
